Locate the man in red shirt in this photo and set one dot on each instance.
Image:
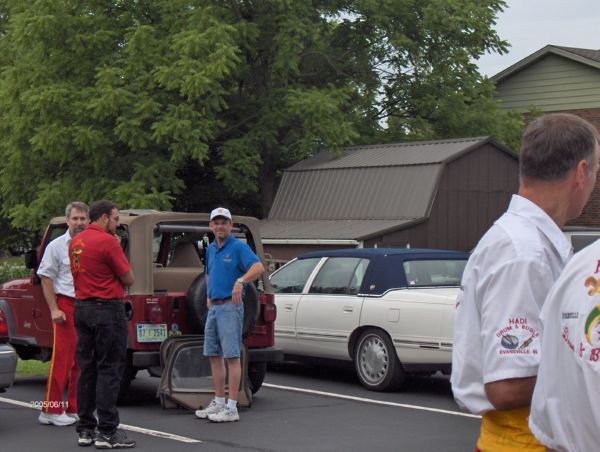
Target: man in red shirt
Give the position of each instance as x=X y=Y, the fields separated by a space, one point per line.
x=100 y=272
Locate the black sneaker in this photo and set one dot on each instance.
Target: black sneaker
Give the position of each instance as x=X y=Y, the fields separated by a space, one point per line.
x=118 y=440
x=86 y=438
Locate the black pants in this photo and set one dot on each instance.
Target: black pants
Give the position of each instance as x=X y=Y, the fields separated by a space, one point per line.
x=101 y=354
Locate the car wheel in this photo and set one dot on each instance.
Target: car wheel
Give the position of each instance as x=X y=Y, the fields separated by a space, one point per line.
x=196 y=304
x=256 y=375
x=376 y=363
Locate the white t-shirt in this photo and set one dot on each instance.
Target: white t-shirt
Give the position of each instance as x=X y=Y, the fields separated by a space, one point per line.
x=496 y=323
x=56 y=266
x=565 y=411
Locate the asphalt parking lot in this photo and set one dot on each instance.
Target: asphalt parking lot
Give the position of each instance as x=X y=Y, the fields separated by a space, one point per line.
x=301 y=407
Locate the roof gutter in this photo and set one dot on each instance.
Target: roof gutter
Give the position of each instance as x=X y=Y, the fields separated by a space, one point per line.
x=349 y=242
x=397 y=227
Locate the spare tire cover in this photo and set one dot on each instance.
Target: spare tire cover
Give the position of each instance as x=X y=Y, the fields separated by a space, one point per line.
x=197 y=310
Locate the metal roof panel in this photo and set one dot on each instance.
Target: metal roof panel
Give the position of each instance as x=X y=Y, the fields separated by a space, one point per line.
x=374 y=193
x=393 y=154
x=327 y=229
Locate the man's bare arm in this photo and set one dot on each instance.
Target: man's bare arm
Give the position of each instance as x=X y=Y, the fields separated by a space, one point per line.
x=208 y=303
x=57 y=315
x=252 y=274
x=510 y=394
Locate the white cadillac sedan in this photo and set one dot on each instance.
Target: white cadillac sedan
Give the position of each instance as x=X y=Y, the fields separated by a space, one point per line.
x=389 y=310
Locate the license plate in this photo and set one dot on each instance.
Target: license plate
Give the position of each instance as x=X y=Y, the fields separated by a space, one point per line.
x=151 y=332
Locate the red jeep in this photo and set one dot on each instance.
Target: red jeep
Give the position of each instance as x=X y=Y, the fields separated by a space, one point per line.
x=166 y=251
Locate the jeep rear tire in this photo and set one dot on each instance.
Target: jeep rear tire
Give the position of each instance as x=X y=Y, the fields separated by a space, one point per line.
x=256 y=375
x=197 y=310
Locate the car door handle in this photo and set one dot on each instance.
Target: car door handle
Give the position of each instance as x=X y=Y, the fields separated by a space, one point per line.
x=289 y=307
x=348 y=309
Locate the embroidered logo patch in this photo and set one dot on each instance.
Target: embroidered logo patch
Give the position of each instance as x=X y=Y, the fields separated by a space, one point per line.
x=518 y=338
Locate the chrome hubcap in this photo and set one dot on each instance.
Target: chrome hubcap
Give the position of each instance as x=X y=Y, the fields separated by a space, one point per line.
x=373 y=360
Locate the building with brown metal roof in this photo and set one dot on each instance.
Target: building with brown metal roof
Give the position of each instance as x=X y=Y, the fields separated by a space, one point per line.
x=431 y=194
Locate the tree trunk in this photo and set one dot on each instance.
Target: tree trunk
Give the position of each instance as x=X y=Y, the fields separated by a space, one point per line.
x=267 y=183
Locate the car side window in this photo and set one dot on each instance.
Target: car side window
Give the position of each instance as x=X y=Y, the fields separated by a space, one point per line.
x=340 y=275
x=431 y=273
x=292 y=277
x=357 y=277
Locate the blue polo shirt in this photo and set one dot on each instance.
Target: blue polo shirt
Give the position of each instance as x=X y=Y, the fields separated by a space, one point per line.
x=226 y=264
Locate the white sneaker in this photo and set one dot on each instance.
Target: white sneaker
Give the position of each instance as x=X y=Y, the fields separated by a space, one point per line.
x=225 y=415
x=60 y=420
x=73 y=416
x=212 y=408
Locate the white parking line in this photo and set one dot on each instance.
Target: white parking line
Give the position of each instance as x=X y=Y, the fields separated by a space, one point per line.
x=131 y=428
x=372 y=401
x=158 y=434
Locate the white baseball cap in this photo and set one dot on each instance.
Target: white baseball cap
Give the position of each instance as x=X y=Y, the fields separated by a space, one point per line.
x=220 y=212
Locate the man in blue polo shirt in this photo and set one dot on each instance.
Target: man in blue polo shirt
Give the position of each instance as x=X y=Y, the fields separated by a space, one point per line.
x=230 y=264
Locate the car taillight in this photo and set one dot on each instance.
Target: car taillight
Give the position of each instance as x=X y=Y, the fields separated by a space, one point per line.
x=154 y=313
x=3 y=328
x=267 y=300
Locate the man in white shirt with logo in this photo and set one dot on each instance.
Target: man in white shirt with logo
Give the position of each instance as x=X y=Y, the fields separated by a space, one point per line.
x=57 y=285
x=565 y=410
x=496 y=327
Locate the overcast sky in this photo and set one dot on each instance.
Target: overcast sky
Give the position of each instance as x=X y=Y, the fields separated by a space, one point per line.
x=529 y=25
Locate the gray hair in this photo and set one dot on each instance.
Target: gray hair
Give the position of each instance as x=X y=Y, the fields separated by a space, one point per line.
x=77 y=205
x=554 y=144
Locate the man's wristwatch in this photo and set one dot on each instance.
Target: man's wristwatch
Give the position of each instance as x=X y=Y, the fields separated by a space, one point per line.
x=240 y=280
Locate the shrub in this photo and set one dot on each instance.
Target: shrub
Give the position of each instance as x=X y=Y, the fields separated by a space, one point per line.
x=10 y=271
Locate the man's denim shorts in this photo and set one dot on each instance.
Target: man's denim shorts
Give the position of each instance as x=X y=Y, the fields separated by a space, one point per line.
x=223 y=330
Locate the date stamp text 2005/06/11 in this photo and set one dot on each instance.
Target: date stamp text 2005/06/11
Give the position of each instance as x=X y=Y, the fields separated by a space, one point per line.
x=49 y=404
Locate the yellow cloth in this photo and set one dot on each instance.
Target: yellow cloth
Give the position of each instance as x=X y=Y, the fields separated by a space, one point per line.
x=507 y=431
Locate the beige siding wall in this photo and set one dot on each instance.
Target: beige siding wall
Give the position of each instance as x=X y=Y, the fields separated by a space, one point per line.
x=551 y=84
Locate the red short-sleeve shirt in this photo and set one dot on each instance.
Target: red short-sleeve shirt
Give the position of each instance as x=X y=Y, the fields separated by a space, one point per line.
x=97 y=261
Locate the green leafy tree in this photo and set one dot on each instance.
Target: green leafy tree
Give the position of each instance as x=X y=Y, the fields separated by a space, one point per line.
x=425 y=56
x=106 y=101
x=128 y=99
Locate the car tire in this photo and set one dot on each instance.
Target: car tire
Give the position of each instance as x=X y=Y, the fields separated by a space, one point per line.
x=376 y=362
x=256 y=375
x=197 y=310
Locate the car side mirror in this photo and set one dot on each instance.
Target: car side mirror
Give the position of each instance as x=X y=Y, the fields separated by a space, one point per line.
x=31 y=259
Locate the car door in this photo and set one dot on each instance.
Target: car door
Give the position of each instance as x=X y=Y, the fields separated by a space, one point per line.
x=288 y=284
x=330 y=311
x=419 y=318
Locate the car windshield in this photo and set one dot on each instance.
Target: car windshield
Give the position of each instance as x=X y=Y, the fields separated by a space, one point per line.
x=431 y=273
